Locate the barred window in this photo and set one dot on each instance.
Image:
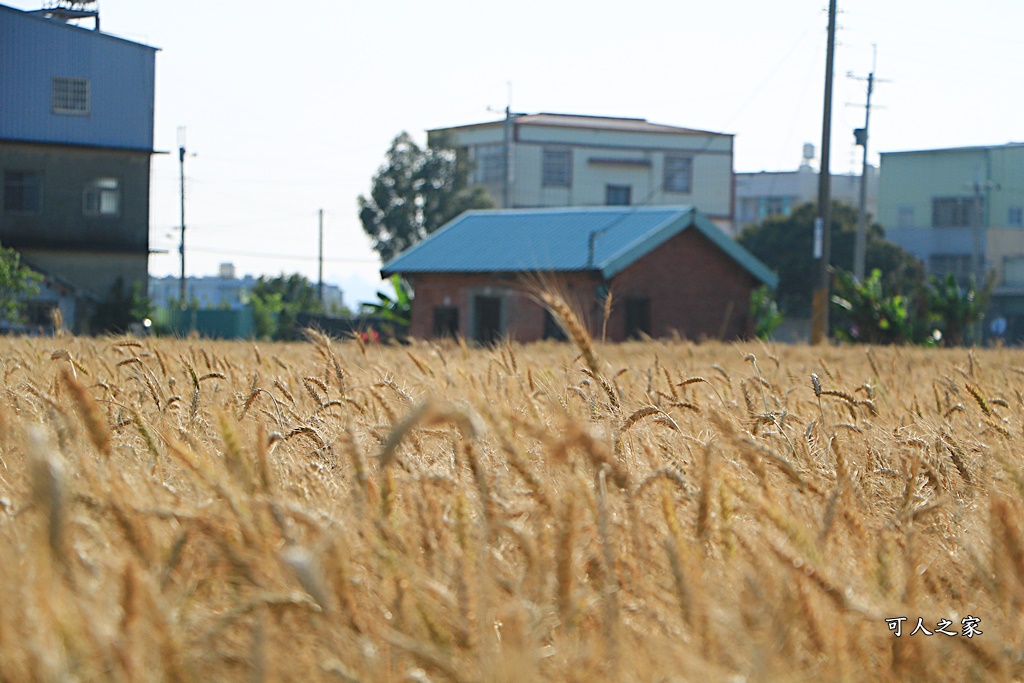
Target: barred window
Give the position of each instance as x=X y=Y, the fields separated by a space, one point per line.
x=490 y=163
x=556 y=170
x=71 y=96
x=102 y=197
x=678 y=174
x=23 y=192
x=954 y=212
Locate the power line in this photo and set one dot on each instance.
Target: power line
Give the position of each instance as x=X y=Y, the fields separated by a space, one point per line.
x=287 y=257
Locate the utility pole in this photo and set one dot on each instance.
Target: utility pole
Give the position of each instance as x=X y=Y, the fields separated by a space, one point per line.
x=506 y=193
x=976 y=228
x=181 y=164
x=320 y=262
x=861 y=136
x=823 y=222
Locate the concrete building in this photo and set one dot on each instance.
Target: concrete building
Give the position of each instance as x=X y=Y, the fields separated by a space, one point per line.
x=552 y=160
x=670 y=271
x=961 y=211
x=76 y=137
x=776 y=193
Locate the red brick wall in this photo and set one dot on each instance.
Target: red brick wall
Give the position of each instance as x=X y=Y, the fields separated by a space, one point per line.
x=523 y=318
x=695 y=289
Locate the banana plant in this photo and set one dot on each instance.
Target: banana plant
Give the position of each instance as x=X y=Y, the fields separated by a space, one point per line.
x=397 y=309
x=957 y=309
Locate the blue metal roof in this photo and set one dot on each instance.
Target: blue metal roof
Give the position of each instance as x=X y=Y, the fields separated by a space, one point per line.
x=607 y=239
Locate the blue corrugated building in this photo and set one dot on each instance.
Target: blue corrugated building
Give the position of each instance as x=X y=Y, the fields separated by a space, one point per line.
x=76 y=137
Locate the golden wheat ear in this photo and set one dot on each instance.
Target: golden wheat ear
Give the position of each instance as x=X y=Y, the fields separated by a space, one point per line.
x=549 y=293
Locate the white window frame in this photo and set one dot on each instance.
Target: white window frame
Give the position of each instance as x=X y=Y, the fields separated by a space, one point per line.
x=102 y=197
x=71 y=96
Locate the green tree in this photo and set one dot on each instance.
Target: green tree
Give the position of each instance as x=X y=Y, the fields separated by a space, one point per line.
x=278 y=301
x=18 y=283
x=784 y=244
x=415 y=192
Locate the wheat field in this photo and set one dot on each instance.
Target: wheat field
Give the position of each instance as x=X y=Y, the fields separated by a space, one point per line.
x=187 y=510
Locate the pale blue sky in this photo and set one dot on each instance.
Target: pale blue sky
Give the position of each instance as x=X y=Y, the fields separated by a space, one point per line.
x=290 y=107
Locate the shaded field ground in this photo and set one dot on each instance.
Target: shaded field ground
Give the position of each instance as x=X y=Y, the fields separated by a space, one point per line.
x=176 y=510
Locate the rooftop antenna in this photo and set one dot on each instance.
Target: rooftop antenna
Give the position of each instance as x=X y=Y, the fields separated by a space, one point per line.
x=507 y=140
x=71 y=10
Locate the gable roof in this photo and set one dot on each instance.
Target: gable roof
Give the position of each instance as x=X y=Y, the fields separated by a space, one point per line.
x=605 y=239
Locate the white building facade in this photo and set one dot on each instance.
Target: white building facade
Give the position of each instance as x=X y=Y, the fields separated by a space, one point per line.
x=554 y=160
x=777 y=193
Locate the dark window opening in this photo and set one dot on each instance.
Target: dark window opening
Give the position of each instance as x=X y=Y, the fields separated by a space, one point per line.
x=552 y=330
x=618 y=195
x=638 y=318
x=487 y=311
x=23 y=192
x=39 y=313
x=446 y=321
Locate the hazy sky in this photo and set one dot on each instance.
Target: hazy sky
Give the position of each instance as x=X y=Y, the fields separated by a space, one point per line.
x=290 y=107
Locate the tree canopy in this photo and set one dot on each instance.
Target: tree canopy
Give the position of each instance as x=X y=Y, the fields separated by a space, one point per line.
x=415 y=192
x=784 y=244
x=283 y=297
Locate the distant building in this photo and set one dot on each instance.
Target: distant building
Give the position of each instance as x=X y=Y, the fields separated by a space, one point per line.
x=223 y=290
x=552 y=160
x=777 y=193
x=961 y=211
x=670 y=270
x=76 y=137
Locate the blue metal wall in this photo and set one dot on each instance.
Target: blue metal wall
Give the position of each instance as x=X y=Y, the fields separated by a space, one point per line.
x=34 y=50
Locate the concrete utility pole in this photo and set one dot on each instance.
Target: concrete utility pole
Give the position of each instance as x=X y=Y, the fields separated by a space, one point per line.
x=320 y=262
x=506 y=191
x=181 y=162
x=861 y=135
x=823 y=222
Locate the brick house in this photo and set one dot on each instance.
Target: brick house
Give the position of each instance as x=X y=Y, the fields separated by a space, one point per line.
x=670 y=270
